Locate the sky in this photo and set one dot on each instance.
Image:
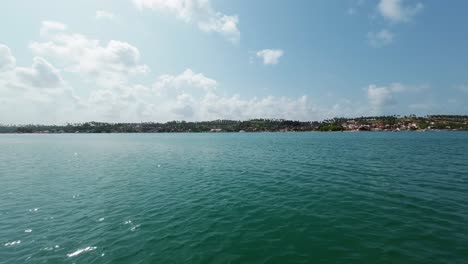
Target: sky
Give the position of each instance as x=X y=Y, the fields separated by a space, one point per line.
x=161 y=60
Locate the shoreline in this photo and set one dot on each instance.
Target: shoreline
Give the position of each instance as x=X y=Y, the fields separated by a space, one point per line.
x=357 y=124
x=245 y=132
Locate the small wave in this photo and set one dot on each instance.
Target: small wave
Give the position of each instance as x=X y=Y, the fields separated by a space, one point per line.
x=51 y=248
x=101 y=219
x=79 y=251
x=12 y=243
x=134 y=228
x=28 y=230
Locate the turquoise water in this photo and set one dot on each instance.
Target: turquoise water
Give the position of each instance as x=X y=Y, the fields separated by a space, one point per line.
x=234 y=198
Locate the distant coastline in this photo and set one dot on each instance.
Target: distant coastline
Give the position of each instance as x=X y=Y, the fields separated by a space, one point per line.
x=357 y=124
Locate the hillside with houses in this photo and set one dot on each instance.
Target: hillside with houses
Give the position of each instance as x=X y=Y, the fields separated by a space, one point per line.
x=375 y=123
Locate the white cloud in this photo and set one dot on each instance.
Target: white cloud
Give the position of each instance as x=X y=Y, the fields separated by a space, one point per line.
x=356 y=5
x=40 y=93
x=186 y=96
x=103 y=14
x=395 y=11
x=217 y=107
x=199 y=12
x=35 y=93
x=224 y=25
x=51 y=27
x=193 y=96
x=41 y=75
x=187 y=79
x=379 y=97
x=77 y=53
x=190 y=96
x=7 y=61
x=381 y=38
x=270 y=56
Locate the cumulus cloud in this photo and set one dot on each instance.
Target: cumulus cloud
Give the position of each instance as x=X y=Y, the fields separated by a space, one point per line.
x=192 y=96
x=41 y=75
x=103 y=14
x=270 y=56
x=199 y=12
x=381 y=38
x=379 y=97
x=395 y=11
x=7 y=61
x=35 y=93
x=81 y=54
x=187 y=79
x=40 y=93
x=187 y=96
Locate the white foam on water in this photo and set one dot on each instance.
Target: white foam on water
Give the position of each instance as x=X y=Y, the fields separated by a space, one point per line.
x=101 y=219
x=12 y=243
x=79 y=251
x=134 y=227
x=128 y=222
x=159 y=166
x=28 y=230
x=34 y=210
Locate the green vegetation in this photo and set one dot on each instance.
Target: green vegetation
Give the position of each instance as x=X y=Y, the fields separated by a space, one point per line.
x=375 y=123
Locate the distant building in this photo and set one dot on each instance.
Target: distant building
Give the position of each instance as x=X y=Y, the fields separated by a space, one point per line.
x=364 y=128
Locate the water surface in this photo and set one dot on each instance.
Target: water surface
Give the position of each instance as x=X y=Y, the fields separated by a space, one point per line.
x=234 y=198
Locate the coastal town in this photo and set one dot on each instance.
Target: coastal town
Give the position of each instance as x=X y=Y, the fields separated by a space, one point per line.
x=358 y=124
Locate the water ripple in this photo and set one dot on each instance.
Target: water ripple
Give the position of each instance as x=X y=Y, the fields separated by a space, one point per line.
x=230 y=198
x=79 y=251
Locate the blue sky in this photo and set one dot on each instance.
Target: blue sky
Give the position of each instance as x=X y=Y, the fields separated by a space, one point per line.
x=160 y=60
